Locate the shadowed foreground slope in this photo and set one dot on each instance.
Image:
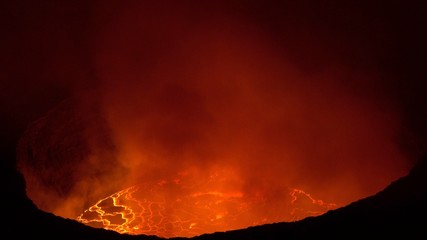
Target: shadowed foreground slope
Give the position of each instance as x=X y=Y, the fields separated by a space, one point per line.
x=398 y=210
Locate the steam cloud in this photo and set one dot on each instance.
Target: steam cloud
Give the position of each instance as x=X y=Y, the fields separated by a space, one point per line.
x=207 y=87
x=181 y=90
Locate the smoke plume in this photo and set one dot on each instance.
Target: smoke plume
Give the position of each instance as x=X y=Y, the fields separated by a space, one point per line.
x=275 y=95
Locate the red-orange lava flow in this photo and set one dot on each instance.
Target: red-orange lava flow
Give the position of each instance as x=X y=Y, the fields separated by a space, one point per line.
x=171 y=209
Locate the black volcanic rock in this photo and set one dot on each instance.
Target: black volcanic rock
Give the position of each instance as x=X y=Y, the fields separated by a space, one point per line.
x=70 y=140
x=398 y=210
x=23 y=220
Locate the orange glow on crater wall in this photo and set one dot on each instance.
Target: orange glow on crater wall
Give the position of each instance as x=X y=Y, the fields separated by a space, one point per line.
x=201 y=120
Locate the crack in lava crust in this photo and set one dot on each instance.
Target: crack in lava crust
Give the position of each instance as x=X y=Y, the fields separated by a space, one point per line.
x=171 y=209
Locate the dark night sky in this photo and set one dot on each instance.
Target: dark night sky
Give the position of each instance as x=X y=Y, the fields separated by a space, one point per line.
x=46 y=46
x=47 y=50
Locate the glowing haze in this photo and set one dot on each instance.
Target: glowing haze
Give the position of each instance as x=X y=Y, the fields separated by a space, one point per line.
x=181 y=90
x=204 y=89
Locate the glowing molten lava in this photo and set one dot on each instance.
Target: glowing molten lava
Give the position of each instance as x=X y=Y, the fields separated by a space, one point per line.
x=175 y=208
